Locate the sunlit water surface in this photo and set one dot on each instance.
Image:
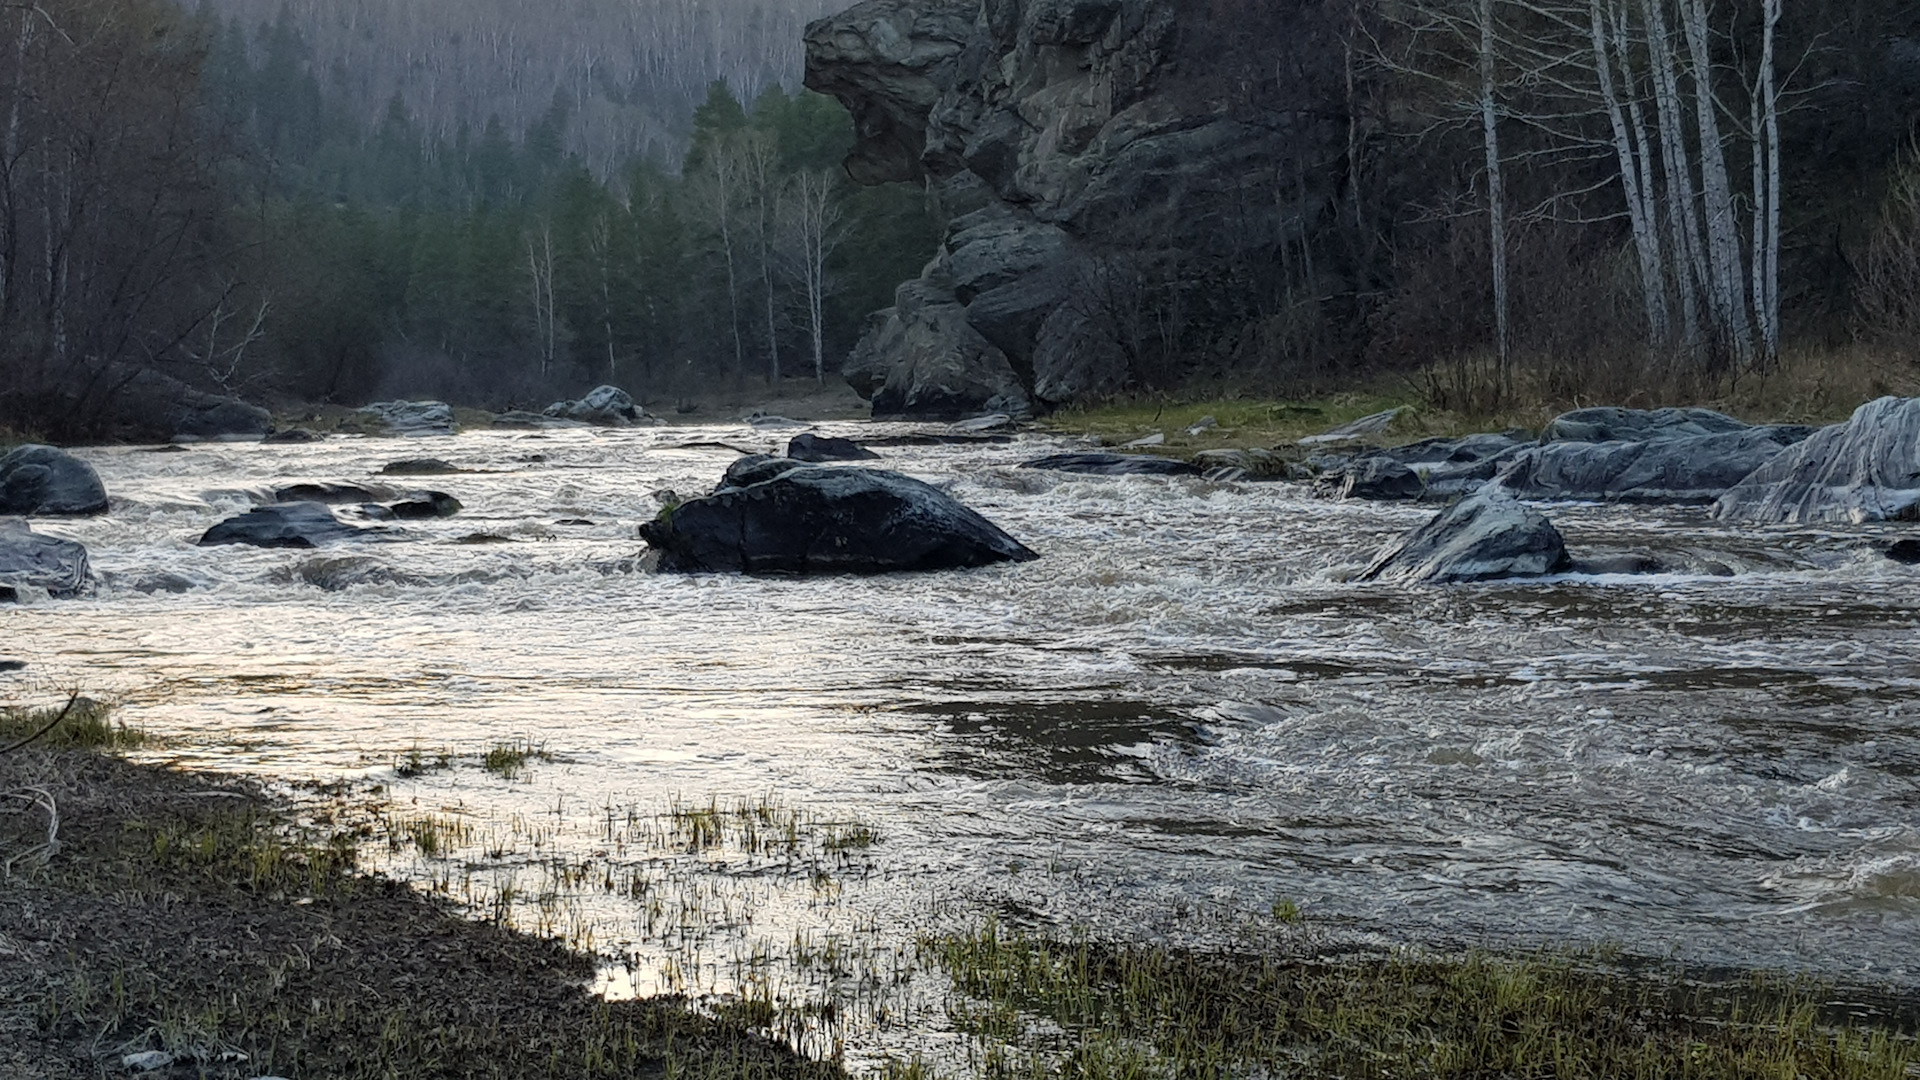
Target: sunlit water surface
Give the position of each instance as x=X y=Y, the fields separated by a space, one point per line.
x=1181 y=713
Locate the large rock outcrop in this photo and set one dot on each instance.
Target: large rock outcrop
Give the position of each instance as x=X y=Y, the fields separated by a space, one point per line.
x=1867 y=469
x=776 y=515
x=48 y=481
x=1105 y=162
x=30 y=560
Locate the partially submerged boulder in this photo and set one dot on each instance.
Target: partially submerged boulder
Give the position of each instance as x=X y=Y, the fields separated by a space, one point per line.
x=328 y=492
x=1380 y=478
x=410 y=418
x=1867 y=469
x=425 y=504
x=47 y=481
x=1685 y=469
x=603 y=406
x=30 y=560
x=1100 y=464
x=775 y=515
x=425 y=466
x=807 y=446
x=289 y=525
x=1610 y=424
x=1905 y=552
x=293 y=435
x=1486 y=536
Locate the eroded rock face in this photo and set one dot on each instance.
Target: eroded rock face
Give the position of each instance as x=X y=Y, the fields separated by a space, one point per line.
x=1867 y=469
x=1091 y=153
x=1486 y=536
x=776 y=515
x=47 y=481
x=30 y=560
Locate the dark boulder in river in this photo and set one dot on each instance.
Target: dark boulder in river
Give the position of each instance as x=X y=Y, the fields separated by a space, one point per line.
x=1486 y=536
x=407 y=418
x=1906 y=552
x=29 y=560
x=1867 y=469
x=807 y=446
x=43 y=480
x=1636 y=425
x=290 y=525
x=773 y=515
x=1114 y=465
x=1380 y=478
x=425 y=504
x=326 y=492
x=1684 y=469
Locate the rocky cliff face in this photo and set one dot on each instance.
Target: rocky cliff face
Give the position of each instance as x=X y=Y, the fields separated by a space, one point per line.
x=1123 y=174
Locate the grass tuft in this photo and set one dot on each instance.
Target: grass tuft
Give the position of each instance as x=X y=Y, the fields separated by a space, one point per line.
x=508 y=760
x=88 y=726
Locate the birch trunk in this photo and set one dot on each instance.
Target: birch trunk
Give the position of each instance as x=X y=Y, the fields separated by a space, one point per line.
x=1640 y=216
x=1496 y=189
x=1716 y=193
x=1683 y=221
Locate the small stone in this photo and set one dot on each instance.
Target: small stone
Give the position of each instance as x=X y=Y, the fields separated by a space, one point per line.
x=147 y=1060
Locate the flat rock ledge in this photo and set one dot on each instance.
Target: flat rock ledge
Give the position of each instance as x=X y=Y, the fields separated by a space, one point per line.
x=779 y=516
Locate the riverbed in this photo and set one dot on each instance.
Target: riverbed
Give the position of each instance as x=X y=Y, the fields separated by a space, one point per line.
x=1182 y=718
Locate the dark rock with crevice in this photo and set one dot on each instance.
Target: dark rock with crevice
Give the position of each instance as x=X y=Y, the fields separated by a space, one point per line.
x=776 y=515
x=1866 y=469
x=31 y=560
x=287 y=525
x=45 y=481
x=1486 y=536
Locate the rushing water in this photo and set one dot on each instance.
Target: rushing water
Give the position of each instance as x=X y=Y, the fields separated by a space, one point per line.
x=1181 y=706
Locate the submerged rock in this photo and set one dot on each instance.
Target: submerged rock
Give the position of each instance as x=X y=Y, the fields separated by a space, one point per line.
x=293 y=435
x=774 y=515
x=1906 y=552
x=1610 y=424
x=807 y=446
x=1682 y=469
x=410 y=418
x=327 y=492
x=1867 y=469
x=38 y=480
x=30 y=560
x=425 y=466
x=1094 y=464
x=1486 y=536
x=289 y=525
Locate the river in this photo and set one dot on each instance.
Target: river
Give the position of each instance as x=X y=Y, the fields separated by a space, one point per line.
x=1179 y=716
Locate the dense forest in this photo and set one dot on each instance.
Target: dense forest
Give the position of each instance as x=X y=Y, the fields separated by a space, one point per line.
x=189 y=194
x=309 y=202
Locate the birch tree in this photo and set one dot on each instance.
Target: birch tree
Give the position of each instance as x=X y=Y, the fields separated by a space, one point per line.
x=812 y=215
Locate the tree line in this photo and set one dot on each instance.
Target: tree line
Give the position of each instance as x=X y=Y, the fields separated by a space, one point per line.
x=183 y=193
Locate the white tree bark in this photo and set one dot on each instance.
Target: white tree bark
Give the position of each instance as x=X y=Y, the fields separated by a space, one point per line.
x=1716 y=193
x=1641 y=216
x=1496 y=189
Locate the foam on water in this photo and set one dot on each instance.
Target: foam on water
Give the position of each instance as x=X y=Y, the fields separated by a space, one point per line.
x=1182 y=704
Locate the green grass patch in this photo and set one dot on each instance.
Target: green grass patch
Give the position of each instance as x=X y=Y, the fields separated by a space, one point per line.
x=1040 y=1008
x=418 y=762
x=509 y=760
x=87 y=725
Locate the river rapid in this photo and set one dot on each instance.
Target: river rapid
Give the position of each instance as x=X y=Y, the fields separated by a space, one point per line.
x=1182 y=712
